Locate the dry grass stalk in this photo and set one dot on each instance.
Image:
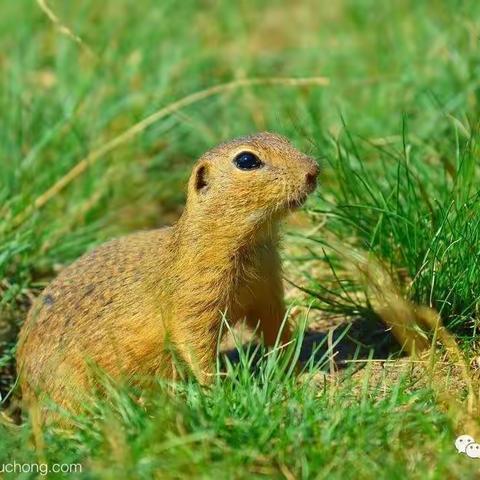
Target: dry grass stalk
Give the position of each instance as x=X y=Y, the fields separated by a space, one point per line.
x=139 y=127
x=420 y=331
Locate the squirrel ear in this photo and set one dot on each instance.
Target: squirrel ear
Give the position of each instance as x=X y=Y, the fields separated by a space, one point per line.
x=201 y=179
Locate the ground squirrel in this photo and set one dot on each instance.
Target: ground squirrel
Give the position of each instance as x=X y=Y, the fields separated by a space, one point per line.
x=118 y=305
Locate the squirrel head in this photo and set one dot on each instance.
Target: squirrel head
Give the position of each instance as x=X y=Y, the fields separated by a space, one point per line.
x=250 y=181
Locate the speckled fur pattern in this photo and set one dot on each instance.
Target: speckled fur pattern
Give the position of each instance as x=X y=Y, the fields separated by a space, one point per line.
x=118 y=306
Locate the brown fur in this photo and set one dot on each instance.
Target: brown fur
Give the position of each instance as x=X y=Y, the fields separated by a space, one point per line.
x=118 y=306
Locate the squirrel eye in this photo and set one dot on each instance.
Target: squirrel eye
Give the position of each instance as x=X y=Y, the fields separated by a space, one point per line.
x=247 y=161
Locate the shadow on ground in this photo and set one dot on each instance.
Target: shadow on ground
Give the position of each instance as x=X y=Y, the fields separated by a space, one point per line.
x=348 y=343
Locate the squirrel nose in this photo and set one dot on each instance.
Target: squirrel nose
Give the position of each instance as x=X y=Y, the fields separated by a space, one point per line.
x=311 y=176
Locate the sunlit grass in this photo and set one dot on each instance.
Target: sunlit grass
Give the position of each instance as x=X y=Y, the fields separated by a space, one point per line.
x=263 y=423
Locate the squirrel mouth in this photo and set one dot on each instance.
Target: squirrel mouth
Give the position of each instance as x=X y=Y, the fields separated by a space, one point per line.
x=296 y=203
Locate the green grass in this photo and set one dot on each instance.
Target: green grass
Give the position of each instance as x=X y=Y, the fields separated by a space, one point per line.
x=252 y=426
x=418 y=213
x=397 y=131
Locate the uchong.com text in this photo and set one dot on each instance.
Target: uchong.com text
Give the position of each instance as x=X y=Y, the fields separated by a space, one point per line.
x=40 y=468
